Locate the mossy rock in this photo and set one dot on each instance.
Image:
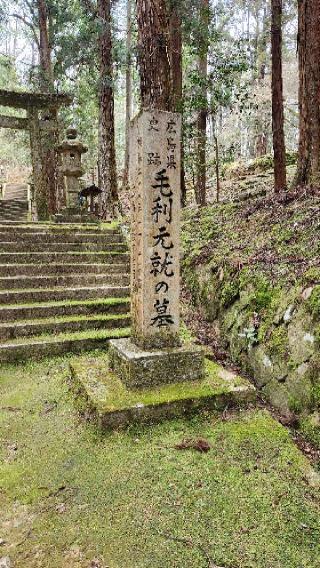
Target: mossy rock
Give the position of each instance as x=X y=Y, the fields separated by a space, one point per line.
x=300 y=388
x=310 y=427
x=301 y=338
x=278 y=396
x=313 y=303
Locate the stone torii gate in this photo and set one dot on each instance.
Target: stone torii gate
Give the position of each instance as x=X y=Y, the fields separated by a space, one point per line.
x=33 y=104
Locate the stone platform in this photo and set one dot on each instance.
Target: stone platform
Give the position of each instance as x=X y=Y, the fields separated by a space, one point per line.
x=74 y=215
x=139 y=368
x=105 y=399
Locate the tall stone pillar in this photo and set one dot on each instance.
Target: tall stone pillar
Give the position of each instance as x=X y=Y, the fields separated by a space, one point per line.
x=155 y=355
x=155 y=251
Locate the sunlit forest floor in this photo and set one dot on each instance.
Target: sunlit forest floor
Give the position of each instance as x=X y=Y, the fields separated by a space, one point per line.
x=71 y=498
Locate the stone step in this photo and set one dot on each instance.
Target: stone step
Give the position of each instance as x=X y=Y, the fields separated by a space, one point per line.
x=53 y=247
x=61 y=294
x=15 y=216
x=23 y=329
x=43 y=258
x=58 y=269
x=53 y=229
x=53 y=345
x=104 y=306
x=100 y=239
x=119 y=278
x=8 y=217
x=13 y=205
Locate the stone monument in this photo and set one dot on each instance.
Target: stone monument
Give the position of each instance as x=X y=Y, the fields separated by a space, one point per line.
x=70 y=151
x=155 y=355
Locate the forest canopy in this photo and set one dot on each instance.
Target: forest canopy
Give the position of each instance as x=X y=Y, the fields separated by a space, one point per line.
x=225 y=65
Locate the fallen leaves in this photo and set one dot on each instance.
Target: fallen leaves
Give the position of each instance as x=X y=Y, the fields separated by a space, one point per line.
x=199 y=444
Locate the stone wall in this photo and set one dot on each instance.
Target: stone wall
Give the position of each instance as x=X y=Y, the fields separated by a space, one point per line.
x=272 y=332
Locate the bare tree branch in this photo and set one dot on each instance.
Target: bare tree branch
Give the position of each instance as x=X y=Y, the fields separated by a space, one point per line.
x=29 y=25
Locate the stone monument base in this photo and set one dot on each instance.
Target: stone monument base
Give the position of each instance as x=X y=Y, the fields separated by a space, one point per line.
x=103 y=398
x=74 y=215
x=138 y=368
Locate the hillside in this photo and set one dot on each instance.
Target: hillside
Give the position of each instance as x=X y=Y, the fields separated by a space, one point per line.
x=253 y=269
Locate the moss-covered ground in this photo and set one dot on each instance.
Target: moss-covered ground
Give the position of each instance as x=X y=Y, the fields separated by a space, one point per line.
x=270 y=237
x=70 y=498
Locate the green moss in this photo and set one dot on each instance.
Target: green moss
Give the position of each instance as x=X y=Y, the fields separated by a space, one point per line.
x=313 y=303
x=311 y=276
x=97 y=302
x=295 y=404
x=110 y=394
x=66 y=319
x=230 y=291
x=185 y=334
x=278 y=342
x=77 y=336
x=126 y=499
x=310 y=428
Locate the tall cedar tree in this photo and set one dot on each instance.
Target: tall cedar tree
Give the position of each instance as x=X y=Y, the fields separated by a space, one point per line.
x=153 y=54
x=279 y=150
x=308 y=171
x=160 y=58
x=125 y=180
x=201 y=162
x=47 y=203
x=175 y=35
x=107 y=154
x=261 y=56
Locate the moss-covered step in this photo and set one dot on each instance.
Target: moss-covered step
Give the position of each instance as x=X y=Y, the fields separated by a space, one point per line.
x=70 y=237
x=79 y=292
x=52 y=345
x=107 y=306
x=62 y=324
x=118 y=275
x=104 y=398
x=62 y=257
x=52 y=247
x=54 y=228
x=56 y=269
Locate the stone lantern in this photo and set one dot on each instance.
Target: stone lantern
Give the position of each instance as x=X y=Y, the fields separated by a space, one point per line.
x=70 y=151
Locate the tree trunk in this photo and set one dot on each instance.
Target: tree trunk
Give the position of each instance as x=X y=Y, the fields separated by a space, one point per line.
x=175 y=31
x=261 y=122
x=107 y=155
x=153 y=54
x=279 y=150
x=201 y=162
x=47 y=204
x=38 y=178
x=217 y=167
x=125 y=180
x=308 y=171
x=46 y=71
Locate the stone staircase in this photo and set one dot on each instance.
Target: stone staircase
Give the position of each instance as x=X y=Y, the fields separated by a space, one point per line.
x=62 y=289
x=14 y=203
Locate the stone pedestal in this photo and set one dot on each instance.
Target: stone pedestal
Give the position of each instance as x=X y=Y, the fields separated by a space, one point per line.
x=145 y=369
x=154 y=356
